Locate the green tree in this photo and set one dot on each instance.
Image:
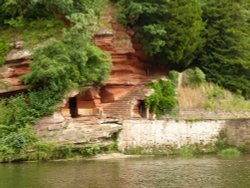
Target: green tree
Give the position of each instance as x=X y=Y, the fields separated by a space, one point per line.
x=225 y=58
x=33 y=9
x=170 y=30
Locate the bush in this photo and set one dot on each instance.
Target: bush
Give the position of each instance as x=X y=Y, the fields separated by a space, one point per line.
x=41 y=151
x=113 y=147
x=66 y=64
x=15 y=22
x=13 y=140
x=174 y=77
x=230 y=152
x=220 y=144
x=93 y=150
x=16 y=112
x=15 y=131
x=163 y=100
x=187 y=151
x=194 y=77
x=216 y=93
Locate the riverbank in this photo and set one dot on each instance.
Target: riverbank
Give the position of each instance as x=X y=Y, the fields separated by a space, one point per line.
x=139 y=137
x=53 y=152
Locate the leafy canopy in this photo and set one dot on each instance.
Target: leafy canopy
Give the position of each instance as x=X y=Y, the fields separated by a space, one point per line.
x=170 y=30
x=31 y=9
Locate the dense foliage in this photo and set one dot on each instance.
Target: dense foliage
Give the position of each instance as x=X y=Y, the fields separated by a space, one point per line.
x=225 y=58
x=163 y=100
x=170 y=31
x=71 y=62
x=15 y=133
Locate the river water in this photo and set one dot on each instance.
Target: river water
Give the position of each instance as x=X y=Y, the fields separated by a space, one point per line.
x=144 y=172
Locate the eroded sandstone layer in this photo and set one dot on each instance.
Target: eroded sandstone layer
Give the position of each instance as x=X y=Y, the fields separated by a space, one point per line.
x=17 y=64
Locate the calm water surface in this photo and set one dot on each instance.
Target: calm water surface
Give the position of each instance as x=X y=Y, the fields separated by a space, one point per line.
x=146 y=172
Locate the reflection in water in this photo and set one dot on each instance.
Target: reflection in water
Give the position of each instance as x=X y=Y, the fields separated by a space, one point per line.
x=129 y=173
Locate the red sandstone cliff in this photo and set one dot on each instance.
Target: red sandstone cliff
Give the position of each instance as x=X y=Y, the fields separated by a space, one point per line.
x=126 y=87
x=120 y=96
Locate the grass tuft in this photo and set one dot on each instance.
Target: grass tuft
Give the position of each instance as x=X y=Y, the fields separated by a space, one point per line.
x=230 y=152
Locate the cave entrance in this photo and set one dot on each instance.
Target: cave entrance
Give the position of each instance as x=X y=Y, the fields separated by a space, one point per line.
x=142 y=109
x=73 y=108
x=83 y=104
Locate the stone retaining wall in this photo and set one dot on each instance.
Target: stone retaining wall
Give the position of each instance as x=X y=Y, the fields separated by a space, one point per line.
x=238 y=132
x=161 y=133
x=142 y=133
